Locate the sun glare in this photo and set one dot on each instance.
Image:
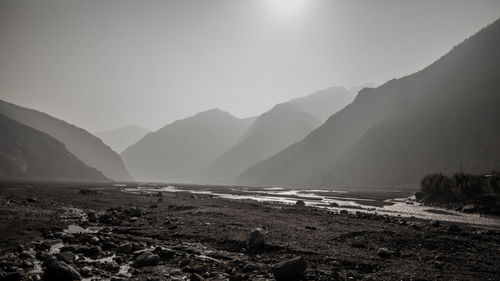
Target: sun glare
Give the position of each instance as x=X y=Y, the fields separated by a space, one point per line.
x=286 y=9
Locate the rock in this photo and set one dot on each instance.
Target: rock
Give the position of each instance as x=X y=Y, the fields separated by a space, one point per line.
x=384 y=253
x=249 y=267
x=92 y=216
x=13 y=276
x=125 y=248
x=86 y=271
x=92 y=250
x=434 y=223
x=147 y=259
x=134 y=212
x=290 y=270
x=67 y=257
x=469 y=208
x=255 y=239
x=196 y=277
x=59 y=270
x=165 y=254
x=344 y=212
x=333 y=204
x=300 y=203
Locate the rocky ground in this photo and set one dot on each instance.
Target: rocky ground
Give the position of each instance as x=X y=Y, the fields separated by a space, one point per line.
x=73 y=232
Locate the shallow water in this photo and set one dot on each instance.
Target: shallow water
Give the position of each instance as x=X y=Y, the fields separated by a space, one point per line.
x=327 y=199
x=74 y=229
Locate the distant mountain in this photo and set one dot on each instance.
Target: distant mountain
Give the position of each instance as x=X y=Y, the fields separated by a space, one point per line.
x=88 y=148
x=121 y=138
x=440 y=119
x=271 y=132
x=278 y=128
x=325 y=103
x=180 y=151
x=28 y=154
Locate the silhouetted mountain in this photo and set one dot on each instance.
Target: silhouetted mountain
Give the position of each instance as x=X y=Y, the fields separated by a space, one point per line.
x=325 y=103
x=271 y=132
x=180 y=151
x=121 y=138
x=88 y=148
x=26 y=153
x=437 y=120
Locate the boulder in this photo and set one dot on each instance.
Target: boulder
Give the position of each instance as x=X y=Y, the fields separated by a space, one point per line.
x=59 y=270
x=13 y=276
x=196 y=277
x=384 y=253
x=146 y=259
x=290 y=270
x=67 y=257
x=255 y=239
x=469 y=208
x=300 y=203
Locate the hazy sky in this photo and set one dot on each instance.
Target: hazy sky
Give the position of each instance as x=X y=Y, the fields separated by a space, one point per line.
x=101 y=64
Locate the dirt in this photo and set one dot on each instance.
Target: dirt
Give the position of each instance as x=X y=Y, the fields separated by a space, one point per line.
x=204 y=237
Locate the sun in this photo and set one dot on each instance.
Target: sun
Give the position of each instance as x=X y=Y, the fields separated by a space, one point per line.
x=286 y=9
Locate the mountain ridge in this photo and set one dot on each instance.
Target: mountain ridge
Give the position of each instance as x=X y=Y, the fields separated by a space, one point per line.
x=85 y=146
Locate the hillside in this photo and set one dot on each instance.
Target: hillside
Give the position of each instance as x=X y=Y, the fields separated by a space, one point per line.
x=28 y=154
x=437 y=120
x=121 y=138
x=271 y=132
x=88 y=148
x=323 y=104
x=180 y=151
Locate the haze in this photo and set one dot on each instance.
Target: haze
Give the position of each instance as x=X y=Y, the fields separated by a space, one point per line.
x=105 y=64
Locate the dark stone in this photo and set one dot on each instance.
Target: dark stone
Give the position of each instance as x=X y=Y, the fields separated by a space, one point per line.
x=67 y=257
x=166 y=254
x=196 y=277
x=249 y=267
x=385 y=253
x=147 y=259
x=13 y=276
x=300 y=203
x=469 y=208
x=59 y=270
x=255 y=239
x=290 y=270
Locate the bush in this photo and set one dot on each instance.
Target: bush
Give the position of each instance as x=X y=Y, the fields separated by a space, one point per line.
x=459 y=187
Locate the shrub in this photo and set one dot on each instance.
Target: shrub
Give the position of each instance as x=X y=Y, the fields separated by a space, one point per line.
x=459 y=187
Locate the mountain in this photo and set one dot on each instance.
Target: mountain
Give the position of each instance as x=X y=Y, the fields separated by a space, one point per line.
x=180 y=151
x=440 y=119
x=121 y=138
x=323 y=104
x=271 y=132
x=26 y=153
x=88 y=148
x=278 y=128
